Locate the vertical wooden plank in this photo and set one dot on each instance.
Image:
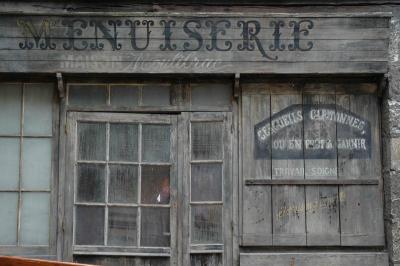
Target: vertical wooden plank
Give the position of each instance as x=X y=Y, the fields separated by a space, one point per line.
x=361 y=209
x=322 y=204
x=68 y=189
x=256 y=209
x=288 y=202
x=184 y=186
x=227 y=219
x=236 y=183
x=256 y=108
x=174 y=192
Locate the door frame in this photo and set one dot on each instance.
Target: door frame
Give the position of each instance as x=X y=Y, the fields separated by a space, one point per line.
x=179 y=212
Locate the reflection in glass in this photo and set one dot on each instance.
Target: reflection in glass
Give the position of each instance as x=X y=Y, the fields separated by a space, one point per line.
x=35 y=211
x=36 y=163
x=155 y=184
x=156 y=143
x=206 y=224
x=123 y=142
x=155 y=227
x=122 y=226
x=89 y=225
x=90 y=182
x=206 y=140
x=91 y=141
x=206 y=182
x=8 y=210
x=123 y=181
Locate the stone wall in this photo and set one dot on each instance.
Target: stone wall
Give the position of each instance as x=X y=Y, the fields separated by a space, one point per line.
x=391 y=143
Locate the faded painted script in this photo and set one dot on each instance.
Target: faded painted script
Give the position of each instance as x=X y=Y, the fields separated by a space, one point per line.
x=167 y=35
x=272 y=136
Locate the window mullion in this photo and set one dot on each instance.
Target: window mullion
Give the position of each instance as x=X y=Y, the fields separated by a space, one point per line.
x=21 y=140
x=106 y=183
x=139 y=209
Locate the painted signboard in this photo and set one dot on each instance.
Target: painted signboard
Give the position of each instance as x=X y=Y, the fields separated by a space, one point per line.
x=193 y=42
x=272 y=142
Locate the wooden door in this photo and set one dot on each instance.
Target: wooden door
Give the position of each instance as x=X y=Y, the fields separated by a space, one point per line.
x=122 y=189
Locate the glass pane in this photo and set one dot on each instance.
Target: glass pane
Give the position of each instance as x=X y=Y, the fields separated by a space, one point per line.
x=10 y=108
x=156 y=143
x=123 y=184
x=156 y=95
x=211 y=94
x=122 y=226
x=123 y=142
x=38 y=111
x=206 y=260
x=35 y=213
x=90 y=183
x=89 y=225
x=36 y=163
x=206 y=182
x=155 y=230
x=155 y=184
x=124 y=95
x=206 y=224
x=9 y=163
x=92 y=141
x=8 y=210
x=87 y=95
x=206 y=140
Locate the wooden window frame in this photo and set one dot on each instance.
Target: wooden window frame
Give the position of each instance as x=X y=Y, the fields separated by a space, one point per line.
x=228 y=198
x=69 y=219
x=180 y=95
x=181 y=251
x=42 y=251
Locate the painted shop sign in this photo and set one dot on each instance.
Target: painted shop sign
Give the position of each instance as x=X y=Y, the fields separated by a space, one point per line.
x=280 y=136
x=193 y=43
x=195 y=34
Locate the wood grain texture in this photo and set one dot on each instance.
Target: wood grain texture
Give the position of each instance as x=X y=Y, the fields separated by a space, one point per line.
x=306 y=259
x=194 y=42
x=323 y=192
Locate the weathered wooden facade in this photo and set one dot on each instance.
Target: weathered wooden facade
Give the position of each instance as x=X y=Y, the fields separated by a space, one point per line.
x=214 y=133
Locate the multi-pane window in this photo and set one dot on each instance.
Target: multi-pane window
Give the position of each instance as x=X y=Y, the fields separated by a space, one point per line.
x=122 y=183
x=26 y=136
x=206 y=183
x=150 y=188
x=182 y=95
x=208 y=179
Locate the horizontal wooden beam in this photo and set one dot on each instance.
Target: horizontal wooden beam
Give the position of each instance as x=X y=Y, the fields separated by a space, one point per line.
x=310 y=182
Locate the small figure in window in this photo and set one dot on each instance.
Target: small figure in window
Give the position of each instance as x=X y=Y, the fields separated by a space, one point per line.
x=163 y=196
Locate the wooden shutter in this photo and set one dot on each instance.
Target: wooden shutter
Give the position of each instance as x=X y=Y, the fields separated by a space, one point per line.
x=311 y=169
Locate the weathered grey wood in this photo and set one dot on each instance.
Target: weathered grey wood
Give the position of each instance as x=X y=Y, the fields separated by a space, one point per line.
x=188 y=160
x=183 y=189
x=341 y=44
x=306 y=259
x=322 y=203
x=255 y=108
x=322 y=216
x=124 y=118
x=361 y=209
x=288 y=202
x=123 y=260
x=256 y=209
x=256 y=216
x=324 y=182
